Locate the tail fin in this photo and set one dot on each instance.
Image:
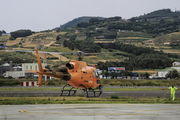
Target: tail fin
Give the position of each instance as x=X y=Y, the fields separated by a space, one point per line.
x=40 y=80
x=39 y=61
x=40 y=68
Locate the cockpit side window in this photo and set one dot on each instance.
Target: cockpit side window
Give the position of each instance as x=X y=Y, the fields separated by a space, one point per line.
x=97 y=74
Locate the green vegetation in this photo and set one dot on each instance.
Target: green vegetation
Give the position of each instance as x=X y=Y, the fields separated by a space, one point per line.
x=173 y=74
x=142 y=58
x=20 y=33
x=84 y=46
x=83 y=100
x=2 y=32
x=17 y=57
x=58 y=49
x=170 y=40
x=159 y=13
x=76 y=21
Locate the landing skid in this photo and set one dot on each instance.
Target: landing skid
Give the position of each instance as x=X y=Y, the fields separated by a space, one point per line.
x=89 y=93
x=67 y=92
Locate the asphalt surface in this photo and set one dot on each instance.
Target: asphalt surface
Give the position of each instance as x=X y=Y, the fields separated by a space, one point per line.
x=82 y=93
x=91 y=112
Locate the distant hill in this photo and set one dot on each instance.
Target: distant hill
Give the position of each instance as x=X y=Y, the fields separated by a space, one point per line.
x=75 y=21
x=159 y=14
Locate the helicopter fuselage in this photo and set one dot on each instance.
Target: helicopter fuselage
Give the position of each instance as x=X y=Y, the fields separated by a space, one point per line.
x=82 y=75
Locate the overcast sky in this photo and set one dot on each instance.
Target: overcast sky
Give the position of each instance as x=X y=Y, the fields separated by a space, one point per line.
x=38 y=15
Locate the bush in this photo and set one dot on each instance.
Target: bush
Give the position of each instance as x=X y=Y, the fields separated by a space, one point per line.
x=114 y=97
x=11 y=82
x=51 y=82
x=21 y=33
x=12 y=38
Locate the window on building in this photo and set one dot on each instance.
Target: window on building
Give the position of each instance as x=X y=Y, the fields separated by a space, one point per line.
x=26 y=67
x=31 y=67
x=36 y=68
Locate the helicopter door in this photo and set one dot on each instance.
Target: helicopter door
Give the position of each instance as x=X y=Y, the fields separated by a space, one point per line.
x=94 y=76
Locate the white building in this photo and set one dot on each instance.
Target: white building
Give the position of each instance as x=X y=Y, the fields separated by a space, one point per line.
x=176 y=63
x=32 y=66
x=27 y=70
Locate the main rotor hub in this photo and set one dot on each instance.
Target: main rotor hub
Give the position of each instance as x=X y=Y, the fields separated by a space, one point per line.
x=80 y=54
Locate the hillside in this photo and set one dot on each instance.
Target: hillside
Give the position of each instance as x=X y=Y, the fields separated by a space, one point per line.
x=134 y=40
x=163 y=13
x=75 y=21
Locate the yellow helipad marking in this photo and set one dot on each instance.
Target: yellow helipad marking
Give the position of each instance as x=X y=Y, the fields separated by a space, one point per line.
x=152 y=110
x=27 y=111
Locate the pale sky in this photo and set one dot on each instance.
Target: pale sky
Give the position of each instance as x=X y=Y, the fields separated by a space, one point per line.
x=38 y=15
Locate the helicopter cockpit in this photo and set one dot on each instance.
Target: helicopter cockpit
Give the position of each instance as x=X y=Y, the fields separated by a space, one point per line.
x=97 y=74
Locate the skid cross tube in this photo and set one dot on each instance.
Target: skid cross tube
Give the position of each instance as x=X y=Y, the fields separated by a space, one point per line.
x=69 y=91
x=94 y=92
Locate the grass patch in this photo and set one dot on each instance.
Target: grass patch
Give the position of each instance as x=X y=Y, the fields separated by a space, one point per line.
x=133 y=38
x=58 y=49
x=82 y=100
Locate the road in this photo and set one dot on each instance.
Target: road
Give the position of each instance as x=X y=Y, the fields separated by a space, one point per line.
x=81 y=93
x=91 y=112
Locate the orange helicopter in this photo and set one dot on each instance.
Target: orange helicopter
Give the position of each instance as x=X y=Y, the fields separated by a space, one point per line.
x=78 y=75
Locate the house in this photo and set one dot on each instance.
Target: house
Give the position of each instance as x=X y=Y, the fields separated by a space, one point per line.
x=4 y=67
x=167 y=43
x=176 y=63
x=6 y=34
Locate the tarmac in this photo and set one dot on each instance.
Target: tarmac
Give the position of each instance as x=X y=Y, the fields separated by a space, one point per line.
x=91 y=112
x=162 y=93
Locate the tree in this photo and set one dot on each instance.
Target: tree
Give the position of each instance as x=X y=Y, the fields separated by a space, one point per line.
x=83 y=25
x=124 y=73
x=21 y=33
x=146 y=75
x=172 y=74
x=103 y=73
x=11 y=38
x=57 y=38
x=73 y=37
x=93 y=20
x=106 y=74
x=112 y=74
x=116 y=74
x=130 y=74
